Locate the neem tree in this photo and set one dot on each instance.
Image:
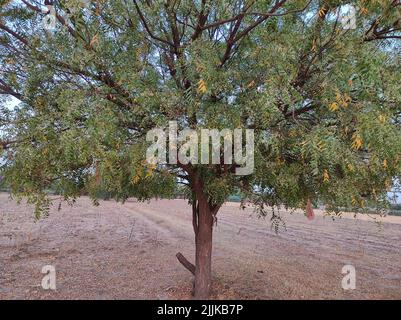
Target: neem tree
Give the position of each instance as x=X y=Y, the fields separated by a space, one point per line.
x=323 y=101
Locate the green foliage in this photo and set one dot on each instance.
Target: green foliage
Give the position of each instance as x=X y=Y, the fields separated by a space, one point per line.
x=324 y=102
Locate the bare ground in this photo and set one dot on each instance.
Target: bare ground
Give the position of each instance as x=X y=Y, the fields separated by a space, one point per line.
x=117 y=251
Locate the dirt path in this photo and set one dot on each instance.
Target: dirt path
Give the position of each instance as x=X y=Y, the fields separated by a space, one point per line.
x=128 y=252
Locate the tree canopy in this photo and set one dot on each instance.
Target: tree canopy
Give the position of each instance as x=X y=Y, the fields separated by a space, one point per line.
x=323 y=99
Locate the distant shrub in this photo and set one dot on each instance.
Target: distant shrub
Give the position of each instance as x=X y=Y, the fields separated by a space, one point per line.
x=396 y=207
x=234 y=198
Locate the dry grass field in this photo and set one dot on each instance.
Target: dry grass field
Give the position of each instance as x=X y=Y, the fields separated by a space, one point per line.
x=117 y=251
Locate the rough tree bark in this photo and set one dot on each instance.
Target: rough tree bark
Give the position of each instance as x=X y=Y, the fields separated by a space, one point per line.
x=203 y=250
x=203 y=214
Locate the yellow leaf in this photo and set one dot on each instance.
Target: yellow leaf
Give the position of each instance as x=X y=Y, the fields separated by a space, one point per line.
x=202 y=86
x=322 y=12
x=314 y=46
x=350 y=167
x=334 y=106
x=357 y=142
x=199 y=68
x=136 y=178
x=251 y=84
x=382 y=119
x=385 y=165
x=364 y=10
x=326 y=176
x=151 y=169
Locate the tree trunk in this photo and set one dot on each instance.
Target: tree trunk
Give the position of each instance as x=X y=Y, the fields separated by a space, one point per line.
x=203 y=251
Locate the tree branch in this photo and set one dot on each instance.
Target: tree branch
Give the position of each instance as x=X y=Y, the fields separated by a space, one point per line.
x=188 y=265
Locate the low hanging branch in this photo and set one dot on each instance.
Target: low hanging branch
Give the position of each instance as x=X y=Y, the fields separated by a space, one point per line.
x=188 y=265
